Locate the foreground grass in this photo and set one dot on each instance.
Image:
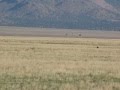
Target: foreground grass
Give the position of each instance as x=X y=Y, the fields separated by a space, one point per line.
x=59 y=64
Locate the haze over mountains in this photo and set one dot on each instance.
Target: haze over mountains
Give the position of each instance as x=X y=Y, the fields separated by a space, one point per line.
x=79 y=14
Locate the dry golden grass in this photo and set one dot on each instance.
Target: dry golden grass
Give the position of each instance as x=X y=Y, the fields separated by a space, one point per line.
x=59 y=63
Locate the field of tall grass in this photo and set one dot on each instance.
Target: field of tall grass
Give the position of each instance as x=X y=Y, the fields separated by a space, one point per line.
x=43 y=63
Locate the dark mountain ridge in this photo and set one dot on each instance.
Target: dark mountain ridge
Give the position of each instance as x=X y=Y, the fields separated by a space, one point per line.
x=78 y=14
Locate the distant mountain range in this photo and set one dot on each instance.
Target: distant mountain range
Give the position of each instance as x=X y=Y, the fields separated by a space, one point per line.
x=78 y=14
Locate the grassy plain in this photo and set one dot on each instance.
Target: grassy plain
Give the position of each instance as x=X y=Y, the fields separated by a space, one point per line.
x=43 y=63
